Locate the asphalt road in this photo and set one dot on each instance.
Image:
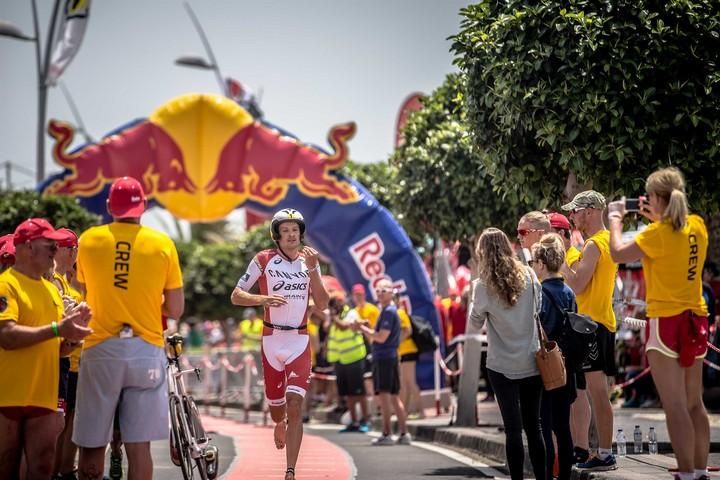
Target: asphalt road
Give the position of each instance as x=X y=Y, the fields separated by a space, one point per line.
x=401 y=462
x=164 y=469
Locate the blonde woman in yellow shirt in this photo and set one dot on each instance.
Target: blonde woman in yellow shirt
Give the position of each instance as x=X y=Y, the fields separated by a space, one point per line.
x=672 y=250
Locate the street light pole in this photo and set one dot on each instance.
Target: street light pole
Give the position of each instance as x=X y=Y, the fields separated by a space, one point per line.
x=42 y=85
x=42 y=65
x=213 y=61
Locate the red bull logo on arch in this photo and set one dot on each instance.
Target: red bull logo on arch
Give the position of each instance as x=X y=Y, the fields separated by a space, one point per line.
x=202 y=155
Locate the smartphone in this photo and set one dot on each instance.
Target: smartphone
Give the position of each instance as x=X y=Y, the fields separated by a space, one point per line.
x=632 y=205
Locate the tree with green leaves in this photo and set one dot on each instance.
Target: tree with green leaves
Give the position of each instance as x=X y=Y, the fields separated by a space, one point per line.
x=211 y=271
x=608 y=90
x=60 y=211
x=380 y=179
x=442 y=185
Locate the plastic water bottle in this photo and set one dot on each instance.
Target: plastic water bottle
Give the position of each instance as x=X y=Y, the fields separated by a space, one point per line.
x=621 y=441
x=637 y=440
x=652 y=442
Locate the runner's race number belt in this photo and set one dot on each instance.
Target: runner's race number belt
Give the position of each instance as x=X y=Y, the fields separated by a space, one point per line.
x=284 y=327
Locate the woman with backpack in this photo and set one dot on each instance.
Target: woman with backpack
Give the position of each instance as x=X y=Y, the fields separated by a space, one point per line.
x=507 y=296
x=672 y=250
x=547 y=257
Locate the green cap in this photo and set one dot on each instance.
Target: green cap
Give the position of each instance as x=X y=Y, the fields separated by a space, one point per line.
x=586 y=199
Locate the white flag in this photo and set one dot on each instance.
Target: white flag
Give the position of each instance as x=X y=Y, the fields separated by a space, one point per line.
x=70 y=34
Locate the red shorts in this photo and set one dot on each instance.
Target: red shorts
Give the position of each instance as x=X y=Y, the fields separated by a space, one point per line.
x=18 y=414
x=683 y=336
x=286 y=365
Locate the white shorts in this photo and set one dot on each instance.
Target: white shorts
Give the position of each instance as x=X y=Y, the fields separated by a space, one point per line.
x=128 y=374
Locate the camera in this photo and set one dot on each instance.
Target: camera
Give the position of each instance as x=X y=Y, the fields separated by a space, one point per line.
x=632 y=205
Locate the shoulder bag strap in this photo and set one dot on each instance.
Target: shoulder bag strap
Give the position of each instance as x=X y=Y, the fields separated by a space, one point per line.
x=536 y=315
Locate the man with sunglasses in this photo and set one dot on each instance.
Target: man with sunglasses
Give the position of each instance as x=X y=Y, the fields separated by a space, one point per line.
x=385 y=339
x=592 y=278
x=32 y=328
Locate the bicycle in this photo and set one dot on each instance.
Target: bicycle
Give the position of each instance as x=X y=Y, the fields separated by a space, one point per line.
x=190 y=447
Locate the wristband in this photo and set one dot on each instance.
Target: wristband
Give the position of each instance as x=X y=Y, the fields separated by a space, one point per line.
x=53 y=325
x=615 y=216
x=314 y=269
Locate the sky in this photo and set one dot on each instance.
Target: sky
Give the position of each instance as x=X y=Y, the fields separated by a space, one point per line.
x=317 y=62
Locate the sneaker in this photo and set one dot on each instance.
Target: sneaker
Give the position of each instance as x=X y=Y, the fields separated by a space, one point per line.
x=404 y=439
x=350 y=428
x=383 y=441
x=597 y=465
x=116 y=470
x=364 y=427
x=581 y=455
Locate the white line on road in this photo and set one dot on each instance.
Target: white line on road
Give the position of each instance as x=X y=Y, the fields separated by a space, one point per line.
x=458 y=457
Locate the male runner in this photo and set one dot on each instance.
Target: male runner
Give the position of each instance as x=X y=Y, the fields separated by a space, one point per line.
x=288 y=274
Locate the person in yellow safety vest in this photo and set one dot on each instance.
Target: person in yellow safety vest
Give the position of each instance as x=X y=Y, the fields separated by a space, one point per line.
x=346 y=349
x=250 y=330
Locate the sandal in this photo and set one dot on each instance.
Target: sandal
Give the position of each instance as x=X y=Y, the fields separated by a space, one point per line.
x=290 y=471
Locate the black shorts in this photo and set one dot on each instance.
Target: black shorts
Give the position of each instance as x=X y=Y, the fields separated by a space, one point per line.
x=386 y=375
x=410 y=357
x=349 y=378
x=580 y=382
x=602 y=353
x=71 y=390
x=63 y=381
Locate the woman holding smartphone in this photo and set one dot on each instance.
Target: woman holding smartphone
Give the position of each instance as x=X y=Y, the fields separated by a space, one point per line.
x=672 y=250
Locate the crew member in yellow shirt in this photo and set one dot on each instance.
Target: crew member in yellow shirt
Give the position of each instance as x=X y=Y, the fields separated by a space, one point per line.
x=63 y=278
x=32 y=326
x=592 y=278
x=672 y=250
x=131 y=276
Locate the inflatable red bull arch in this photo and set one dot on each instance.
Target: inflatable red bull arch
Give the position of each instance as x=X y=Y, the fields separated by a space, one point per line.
x=201 y=156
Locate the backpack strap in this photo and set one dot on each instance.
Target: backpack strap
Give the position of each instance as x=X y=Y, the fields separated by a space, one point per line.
x=554 y=301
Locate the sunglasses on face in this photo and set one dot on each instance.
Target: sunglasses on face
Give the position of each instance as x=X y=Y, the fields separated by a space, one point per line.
x=49 y=246
x=576 y=210
x=527 y=231
x=383 y=290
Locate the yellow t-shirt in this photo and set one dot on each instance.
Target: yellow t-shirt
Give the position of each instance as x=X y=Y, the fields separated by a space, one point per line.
x=29 y=376
x=251 y=333
x=407 y=345
x=125 y=268
x=572 y=255
x=68 y=290
x=314 y=331
x=370 y=313
x=596 y=299
x=673 y=264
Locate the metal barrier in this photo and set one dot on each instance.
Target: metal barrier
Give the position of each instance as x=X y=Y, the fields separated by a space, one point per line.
x=230 y=376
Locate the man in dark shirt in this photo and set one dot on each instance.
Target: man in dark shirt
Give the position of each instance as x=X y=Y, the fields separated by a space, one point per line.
x=386 y=375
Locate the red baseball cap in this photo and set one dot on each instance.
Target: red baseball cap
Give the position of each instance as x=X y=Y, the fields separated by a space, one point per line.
x=358 y=288
x=559 y=221
x=7 y=249
x=69 y=240
x=126 y=198
x=35 y=228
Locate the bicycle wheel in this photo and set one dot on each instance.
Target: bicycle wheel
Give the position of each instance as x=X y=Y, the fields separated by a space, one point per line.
x=198 y=432
x=181 y=438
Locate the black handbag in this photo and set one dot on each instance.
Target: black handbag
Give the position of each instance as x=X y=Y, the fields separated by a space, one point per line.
x=577 y=334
